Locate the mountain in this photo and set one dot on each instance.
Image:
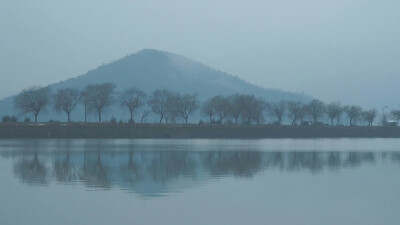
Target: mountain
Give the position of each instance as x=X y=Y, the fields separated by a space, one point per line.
x=152 y=69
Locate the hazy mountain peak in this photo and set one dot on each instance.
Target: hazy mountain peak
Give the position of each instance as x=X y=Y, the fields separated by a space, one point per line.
x=150 y=69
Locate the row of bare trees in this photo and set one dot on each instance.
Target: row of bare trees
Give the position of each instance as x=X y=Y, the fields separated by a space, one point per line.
x=248 y=109
x=96 y=98
x=36 y=100
x=173 y=107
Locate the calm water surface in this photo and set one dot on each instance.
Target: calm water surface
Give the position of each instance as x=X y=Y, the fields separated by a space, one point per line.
x=271 y=181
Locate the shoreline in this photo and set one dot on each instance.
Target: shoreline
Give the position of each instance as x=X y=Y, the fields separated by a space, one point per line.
x=187 y=131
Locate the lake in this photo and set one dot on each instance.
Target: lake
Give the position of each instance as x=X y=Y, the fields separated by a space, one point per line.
x=267 y=181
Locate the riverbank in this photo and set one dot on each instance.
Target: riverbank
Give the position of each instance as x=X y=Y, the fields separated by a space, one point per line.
x=92 y=130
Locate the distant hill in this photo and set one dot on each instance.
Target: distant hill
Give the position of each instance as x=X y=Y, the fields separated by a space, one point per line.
x=152 y=69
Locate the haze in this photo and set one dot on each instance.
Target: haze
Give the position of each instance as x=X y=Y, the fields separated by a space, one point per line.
x=343 y=50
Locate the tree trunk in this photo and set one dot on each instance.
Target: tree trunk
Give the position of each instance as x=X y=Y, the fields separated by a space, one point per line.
x=68 y=114
x=36 y=116
x=99 y=116
x=85 y=112
x=186 y=120
x=332 y=122
x=131 y=111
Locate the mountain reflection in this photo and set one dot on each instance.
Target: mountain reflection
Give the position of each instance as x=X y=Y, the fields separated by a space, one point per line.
x=151 y=173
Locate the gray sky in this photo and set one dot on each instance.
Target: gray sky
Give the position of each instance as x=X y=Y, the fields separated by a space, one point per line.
x=347 y=50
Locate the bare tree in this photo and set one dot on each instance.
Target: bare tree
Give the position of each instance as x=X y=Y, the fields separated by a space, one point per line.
x=315 y=109
x=99 y=97
x=132 y=98
x=302 y=113
x=294 y=109
x=85 y=102
x=235 y=106
x=370 y=116
x=66 y=100
x=257 y=108
x=158 y=102
x=220 y=107
x=33 y=100
x=145 y=113
x=334 y=110
x=188 y=103
x=208 y=110
x=173 y=111
x=277 y=109
x=353 y=113
x=339 y=115
x=251 y=109
x=395 y=114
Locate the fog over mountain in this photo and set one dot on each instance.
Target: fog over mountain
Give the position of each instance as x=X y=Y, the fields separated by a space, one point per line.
x=149 y=70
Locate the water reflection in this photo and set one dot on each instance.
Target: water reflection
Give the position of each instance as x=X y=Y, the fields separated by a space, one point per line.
x=153 y=173
x=31 y=170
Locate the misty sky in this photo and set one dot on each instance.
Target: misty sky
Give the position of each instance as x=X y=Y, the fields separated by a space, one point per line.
x=346 y=50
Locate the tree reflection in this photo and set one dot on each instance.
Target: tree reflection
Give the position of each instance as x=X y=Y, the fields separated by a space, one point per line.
x=312 y=161
x=64 y=171
x=334 y=160
x=31 y=171
x=355 y=159
x=274 y=160
x=396 y=157
x=153 y=171
x=166 y=165
x=132 y=172
x=95 y=173
x=241 y=163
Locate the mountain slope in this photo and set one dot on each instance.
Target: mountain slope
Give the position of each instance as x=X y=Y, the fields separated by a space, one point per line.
x=152 y=69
